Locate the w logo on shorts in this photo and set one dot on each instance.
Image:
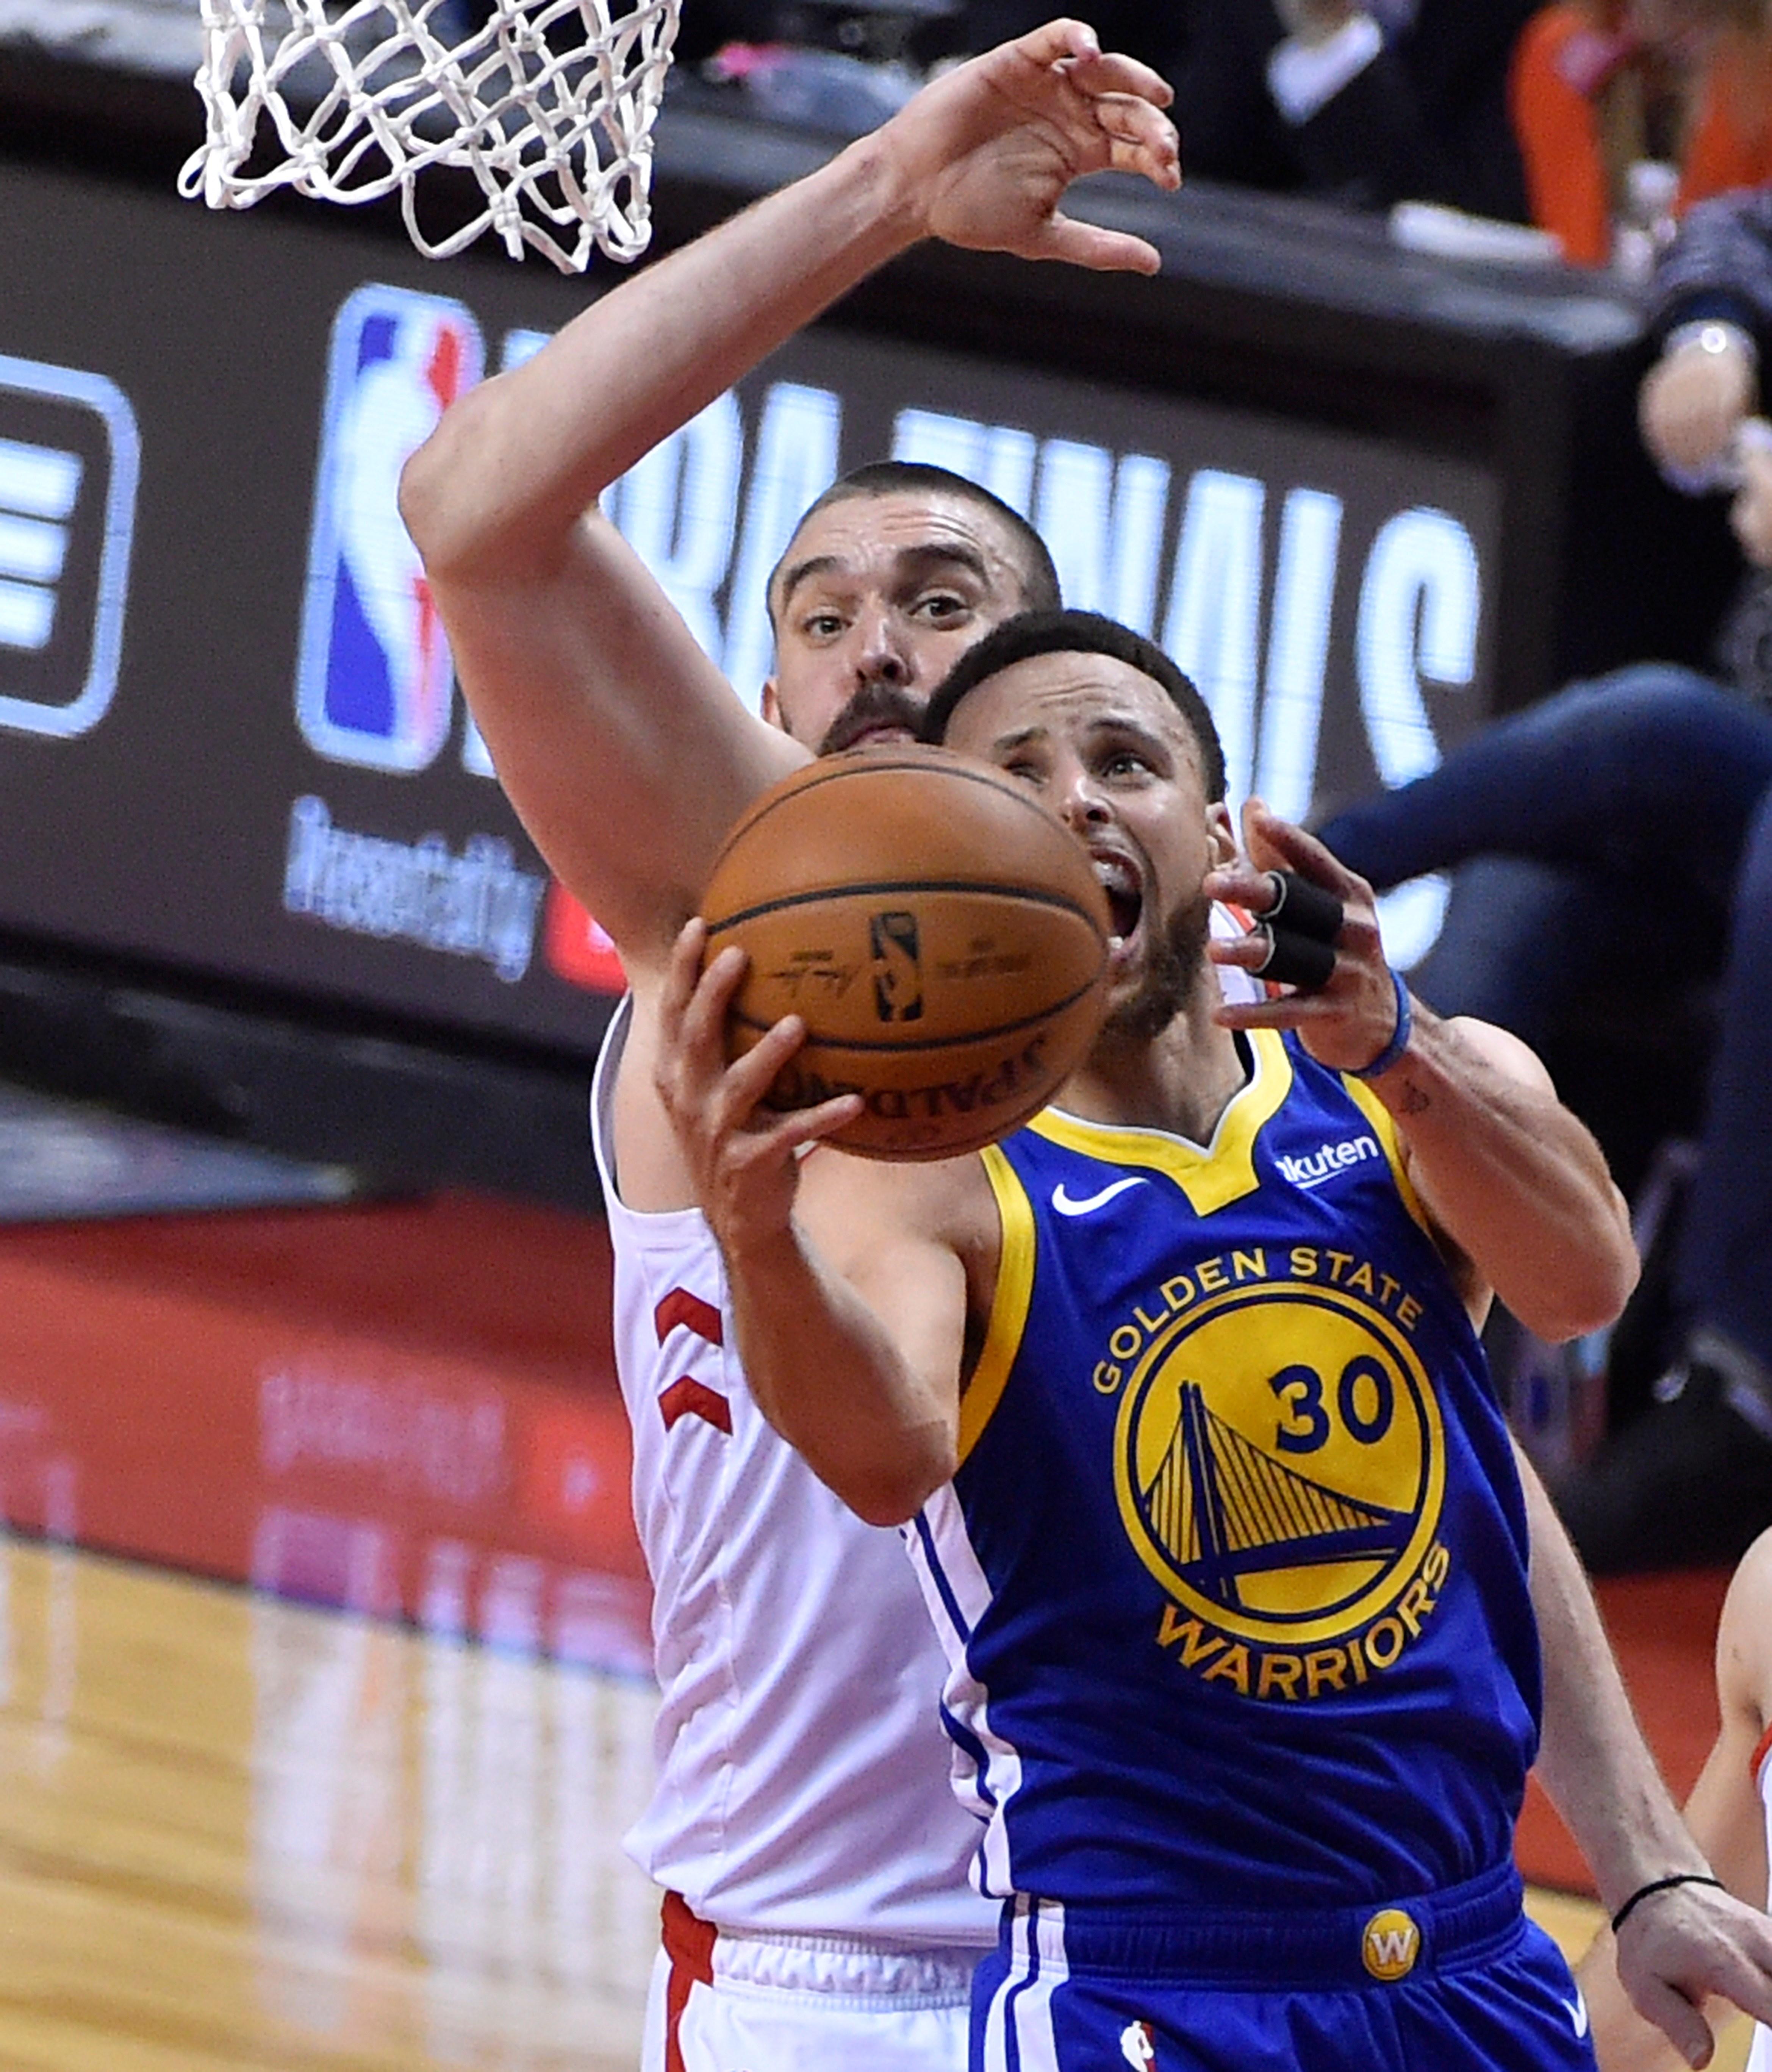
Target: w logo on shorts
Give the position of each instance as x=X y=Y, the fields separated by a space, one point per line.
x=1391 y=1944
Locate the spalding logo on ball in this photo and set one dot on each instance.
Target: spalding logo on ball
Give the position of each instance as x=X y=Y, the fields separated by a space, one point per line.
x=940 y=933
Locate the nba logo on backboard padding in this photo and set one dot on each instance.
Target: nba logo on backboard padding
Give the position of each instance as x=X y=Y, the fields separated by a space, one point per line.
x=375 y=682
x=897 y=967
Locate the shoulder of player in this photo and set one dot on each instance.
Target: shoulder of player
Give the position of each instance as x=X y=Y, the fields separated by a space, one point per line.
x=946 y=1201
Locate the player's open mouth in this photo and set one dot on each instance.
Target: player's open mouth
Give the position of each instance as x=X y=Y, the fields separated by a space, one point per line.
x=1120 y=879
x=883 y=736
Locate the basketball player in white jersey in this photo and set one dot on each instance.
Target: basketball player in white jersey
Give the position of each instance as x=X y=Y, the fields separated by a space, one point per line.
x=803 y=1826
x=1730 y=1813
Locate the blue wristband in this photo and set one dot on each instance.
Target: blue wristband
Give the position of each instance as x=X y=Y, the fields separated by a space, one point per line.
x=1400 y=1036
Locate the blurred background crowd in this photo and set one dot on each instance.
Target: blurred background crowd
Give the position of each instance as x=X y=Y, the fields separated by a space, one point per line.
x=1546 y=116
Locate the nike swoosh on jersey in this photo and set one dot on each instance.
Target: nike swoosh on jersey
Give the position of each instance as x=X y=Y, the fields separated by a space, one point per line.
x=1577 y=2010
x=1068 y=1206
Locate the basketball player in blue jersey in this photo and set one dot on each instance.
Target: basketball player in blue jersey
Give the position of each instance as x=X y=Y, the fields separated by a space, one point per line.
x=1180 y=1393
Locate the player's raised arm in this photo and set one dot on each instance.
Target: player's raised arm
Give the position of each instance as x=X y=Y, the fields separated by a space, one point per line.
x=616 y=739
x=1510 y=1175
x=849 y=1282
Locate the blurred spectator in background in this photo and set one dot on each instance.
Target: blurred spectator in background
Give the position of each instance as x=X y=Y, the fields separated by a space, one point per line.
x=1621 y=834
x=1394 y=101
x=1603 y=88
x=1155 y=30
x=1713 y=313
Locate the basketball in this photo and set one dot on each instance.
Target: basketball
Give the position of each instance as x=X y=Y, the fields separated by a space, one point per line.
x=941 y=934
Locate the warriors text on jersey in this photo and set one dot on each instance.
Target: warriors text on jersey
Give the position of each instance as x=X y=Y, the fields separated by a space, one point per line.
x=1233 y=1574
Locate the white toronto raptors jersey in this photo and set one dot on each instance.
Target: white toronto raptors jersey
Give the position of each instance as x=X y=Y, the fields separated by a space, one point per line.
x=802 y=1784
x=1760 y=2057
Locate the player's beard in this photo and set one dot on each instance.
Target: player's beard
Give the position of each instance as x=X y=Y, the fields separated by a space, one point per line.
x=874 y=704
x=1173 y=964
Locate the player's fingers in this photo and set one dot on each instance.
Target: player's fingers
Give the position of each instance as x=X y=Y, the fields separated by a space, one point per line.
x=1055 y=41
x=1295 y=903
x=1112 y=73
x=1140 y=141
x=1241 y=884
x=750 y=1077
x=701 y=1030
x=1088 y=244
x=1280 y=844
x=1243 y=951
x=1291 y=958
x=1677 y=2019
x=1743 y=1973
x=1284 y=1010
x=680 y=974
x=806 y=1126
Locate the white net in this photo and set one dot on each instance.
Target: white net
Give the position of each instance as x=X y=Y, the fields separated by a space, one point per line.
x=549 y=104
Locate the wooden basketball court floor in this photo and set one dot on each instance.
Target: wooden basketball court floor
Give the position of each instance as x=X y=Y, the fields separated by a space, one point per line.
x=323 y=1701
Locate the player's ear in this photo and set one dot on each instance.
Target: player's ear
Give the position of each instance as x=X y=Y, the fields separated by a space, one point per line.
x=770 y=705
x=1221 y=832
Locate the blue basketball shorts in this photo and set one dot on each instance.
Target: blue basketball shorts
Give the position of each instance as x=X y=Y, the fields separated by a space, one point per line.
x=1455 y=1981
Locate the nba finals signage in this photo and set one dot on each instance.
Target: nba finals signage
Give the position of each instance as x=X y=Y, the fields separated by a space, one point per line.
x=203 y=576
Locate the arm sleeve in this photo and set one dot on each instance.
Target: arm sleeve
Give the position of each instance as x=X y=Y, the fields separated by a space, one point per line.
x=1720 y=265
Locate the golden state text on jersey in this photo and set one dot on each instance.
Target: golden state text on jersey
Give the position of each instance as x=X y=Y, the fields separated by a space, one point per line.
x=1233 y=1574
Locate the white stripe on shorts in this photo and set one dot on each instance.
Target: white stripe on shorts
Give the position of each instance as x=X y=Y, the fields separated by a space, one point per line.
x=1023 y=2003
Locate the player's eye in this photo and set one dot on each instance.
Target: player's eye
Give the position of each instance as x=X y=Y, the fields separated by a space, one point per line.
x=1125 y=762
x=821 y=625
x=943 y=606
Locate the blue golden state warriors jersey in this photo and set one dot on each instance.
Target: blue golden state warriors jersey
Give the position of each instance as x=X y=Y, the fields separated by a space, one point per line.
x=1232 y=1574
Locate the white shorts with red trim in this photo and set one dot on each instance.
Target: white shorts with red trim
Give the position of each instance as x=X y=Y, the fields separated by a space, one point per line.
x=734 y=2003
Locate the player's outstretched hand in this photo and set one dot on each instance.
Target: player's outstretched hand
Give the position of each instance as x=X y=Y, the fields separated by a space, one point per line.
x=743 y=1158
x=987 y=151
x=1680 y=1946
x=1348 y=1020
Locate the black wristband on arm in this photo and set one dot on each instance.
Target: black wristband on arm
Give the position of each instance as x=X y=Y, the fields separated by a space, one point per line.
x=1661 y=1885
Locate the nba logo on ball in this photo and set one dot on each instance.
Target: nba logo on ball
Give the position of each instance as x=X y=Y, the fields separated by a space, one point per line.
x=898 y=968
x=376 y=683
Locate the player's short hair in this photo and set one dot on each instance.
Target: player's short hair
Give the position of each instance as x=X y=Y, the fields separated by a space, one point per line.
x=1032 y=633
x=1040 y=590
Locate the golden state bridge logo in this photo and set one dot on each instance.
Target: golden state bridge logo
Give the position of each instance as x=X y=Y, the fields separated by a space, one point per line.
x=1280 y=1468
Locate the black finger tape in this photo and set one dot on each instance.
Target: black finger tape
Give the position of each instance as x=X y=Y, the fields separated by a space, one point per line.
x=1307 y=909
x=1296 y=959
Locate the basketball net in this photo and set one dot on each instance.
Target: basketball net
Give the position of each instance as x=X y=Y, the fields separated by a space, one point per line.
x=549 y=104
